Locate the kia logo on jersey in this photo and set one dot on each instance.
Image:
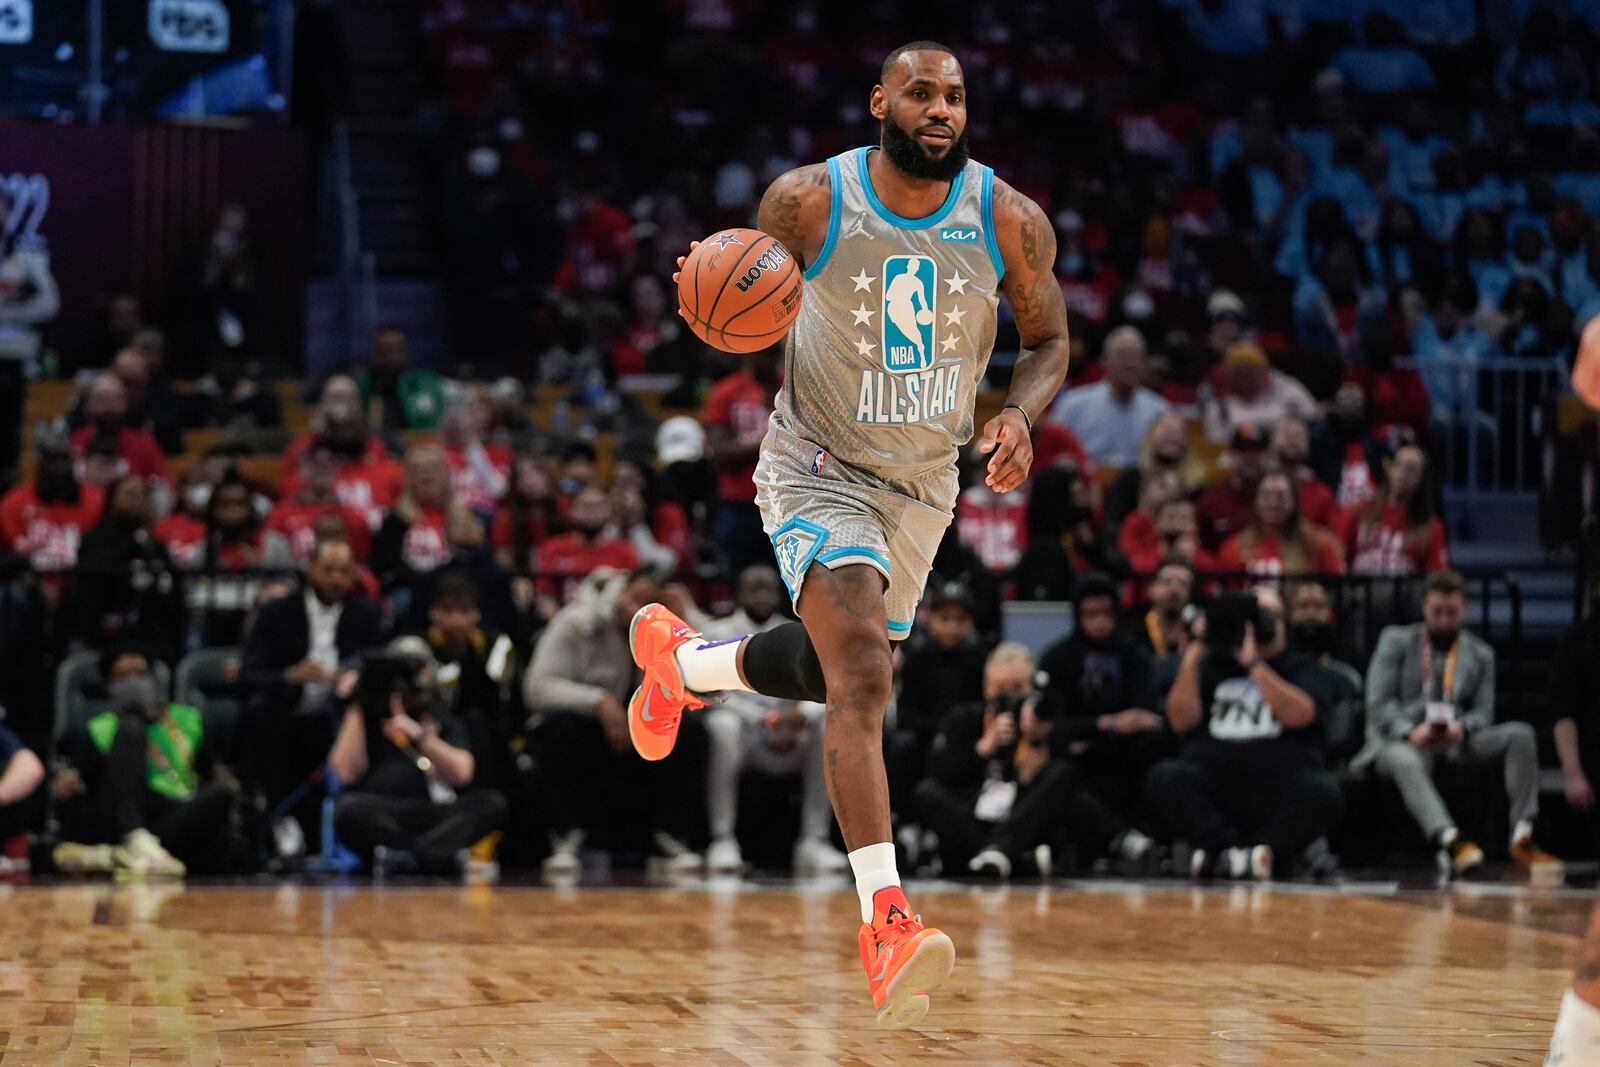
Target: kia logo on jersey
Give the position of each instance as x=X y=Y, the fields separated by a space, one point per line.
x=909 y=284
x=958 y=235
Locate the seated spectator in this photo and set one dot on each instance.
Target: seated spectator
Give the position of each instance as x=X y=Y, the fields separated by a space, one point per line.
x=1337 y=686
x=286 y=670
x=152 y=405
x=1348 y=464
x=127 y=584
x=1165 y=448
x=578 y=684
x=1574 y=683
x=1430 y=700
x=22 y=802
x=480 y=469
x=1252 y=394
x=994 y=525
x=576 y=468
x=394 y=394
x=468 y=557
x=1099 y=683
x=1250 y=790
x=1288 y=451
x=564 y=560
x=994 y=792
x=1137 y=539
x=735 y=417
x=144 y=776
x=475 y=661
x=1063 y=540
x=106 y=413
x=1165 y=628
x=291 y=527
x=406 y=764
x=649 y=324
x=367 y=479
x=941 y=663
x=1224 y=510
x=777 y=739
x=411 y=541
x=1397 y=532
x=1112 y=416
x=225 y=536
x=666 y=521
x=1279 y=540
x=527 y=515
x=231 y=398
x=45 y=519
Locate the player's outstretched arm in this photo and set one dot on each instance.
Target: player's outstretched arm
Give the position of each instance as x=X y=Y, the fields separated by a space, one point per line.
x=1028 y=250
x=795 y=211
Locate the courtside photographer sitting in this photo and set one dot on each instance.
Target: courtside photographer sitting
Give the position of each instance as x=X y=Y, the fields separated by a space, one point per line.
x=406 y=762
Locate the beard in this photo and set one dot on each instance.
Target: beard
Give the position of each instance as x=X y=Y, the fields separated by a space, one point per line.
x=912 y=159
x=1314 y=637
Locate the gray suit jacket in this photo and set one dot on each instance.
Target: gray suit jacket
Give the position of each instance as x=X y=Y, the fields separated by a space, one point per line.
x=1395 y=703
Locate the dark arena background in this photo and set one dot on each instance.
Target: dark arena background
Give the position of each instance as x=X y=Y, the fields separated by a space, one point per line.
x=346 y=417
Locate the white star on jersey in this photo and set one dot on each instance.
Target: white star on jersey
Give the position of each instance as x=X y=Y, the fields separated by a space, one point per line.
x=865 y=346
x=957 y=284
x=863 y=282
x=953 y=316
x=948 y=343
x=863 y=316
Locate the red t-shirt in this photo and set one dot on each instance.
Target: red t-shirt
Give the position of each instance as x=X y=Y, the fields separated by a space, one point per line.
x=472 y=489
x=1356 y=486
x=742 y=405
x=370 y=488
x=565 y=560
x=296 y=521
x=1384 y=547
x=1265 y=557
x=137 y=448
x=184 y=537
x=994 y=525
x=424 y=546
x=1316 y=502
x=48 y=534
x=376 y=451
x=1138 y=538
x=1222 y=511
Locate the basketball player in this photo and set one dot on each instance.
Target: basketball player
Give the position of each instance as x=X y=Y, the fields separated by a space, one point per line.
x=906 y=246
x=1576 y=1042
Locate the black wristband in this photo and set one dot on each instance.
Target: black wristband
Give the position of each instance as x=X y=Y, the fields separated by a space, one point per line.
x=1025 y=419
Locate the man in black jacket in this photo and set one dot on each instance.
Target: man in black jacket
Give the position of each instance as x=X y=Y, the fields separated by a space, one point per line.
x=994 y=791
x=291 y=654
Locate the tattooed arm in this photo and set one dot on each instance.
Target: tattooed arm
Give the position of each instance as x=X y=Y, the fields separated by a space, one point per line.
x=795 y=211
x=1028 y=250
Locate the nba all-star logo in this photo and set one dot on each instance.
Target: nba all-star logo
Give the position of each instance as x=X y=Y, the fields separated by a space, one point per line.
x=911 y=387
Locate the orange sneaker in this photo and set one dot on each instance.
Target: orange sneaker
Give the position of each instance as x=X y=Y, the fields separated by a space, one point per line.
x=657 y=706
x=903 y=959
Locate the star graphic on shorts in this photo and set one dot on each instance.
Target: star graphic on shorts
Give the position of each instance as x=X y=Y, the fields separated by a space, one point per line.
x=957 y=283
x=948 y=343
x=723 y=240
x=865 y=346
x=953 y=316
x=863 y=282
x=863 y=316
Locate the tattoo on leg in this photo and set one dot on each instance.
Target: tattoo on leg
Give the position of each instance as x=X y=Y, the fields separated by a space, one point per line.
x=834 y=789
x=856 y=590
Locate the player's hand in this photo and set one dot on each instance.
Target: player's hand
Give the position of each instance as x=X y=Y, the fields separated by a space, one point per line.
x=1580 y=794
x=1006 y=436
x=682 y=259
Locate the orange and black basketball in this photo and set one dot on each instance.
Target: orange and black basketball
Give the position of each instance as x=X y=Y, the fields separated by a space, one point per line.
x=739 y=290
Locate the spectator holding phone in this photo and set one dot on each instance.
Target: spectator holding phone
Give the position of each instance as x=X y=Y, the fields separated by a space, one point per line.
x=1430 y=700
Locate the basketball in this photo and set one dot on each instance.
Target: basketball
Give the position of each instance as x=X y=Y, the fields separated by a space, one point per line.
x=739 y=290
x=1586 y=370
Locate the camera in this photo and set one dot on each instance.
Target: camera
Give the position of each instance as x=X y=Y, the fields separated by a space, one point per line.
x=386 y=674
x=1228 y=614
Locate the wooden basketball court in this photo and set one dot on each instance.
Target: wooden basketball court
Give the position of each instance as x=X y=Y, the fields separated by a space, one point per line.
x=1093 y=973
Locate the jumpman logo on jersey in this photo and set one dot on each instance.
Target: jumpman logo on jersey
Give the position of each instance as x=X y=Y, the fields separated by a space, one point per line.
x=858 y=228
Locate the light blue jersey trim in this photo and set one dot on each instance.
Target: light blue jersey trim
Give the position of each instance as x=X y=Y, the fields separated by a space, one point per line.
x=987 y=196
x=818 y=534
x=889 y=216
x=835 y=205
x=899 y=627
x=855 y=552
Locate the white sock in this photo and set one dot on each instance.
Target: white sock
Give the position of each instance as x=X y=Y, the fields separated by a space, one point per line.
x=874 y=869
x=1448 y=838
x=1577 y=1036
x=712 y=666
x=1521 y=830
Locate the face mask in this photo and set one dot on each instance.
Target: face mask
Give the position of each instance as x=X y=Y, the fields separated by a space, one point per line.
x=1314 y=637
x=133 y=695
x=197 y=497
x=483 y=162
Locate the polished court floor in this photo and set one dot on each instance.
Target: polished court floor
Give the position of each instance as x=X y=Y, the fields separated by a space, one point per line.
x=1104 y=974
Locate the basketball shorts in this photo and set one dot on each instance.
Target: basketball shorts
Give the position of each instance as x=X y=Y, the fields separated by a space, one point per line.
x=817 y=509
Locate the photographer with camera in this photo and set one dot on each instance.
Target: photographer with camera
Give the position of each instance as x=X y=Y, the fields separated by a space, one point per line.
x=1250 y=786
x=994 y=791
x=406 y=762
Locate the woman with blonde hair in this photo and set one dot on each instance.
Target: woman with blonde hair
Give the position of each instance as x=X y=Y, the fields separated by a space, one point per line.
x=1279 y=540
x=1397 y=532
x=1165 y=447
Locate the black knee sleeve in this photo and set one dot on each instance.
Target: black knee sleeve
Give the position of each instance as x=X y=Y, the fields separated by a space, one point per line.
x=782 y=663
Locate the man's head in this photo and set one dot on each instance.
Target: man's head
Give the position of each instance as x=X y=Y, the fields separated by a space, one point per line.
x=1172 y=589
x=920 y=102
x=1168 y=437
x=950 y=615
x=578 y=467
x=128 y=500
x=332 y=573
x=1008 y=672
x=1247 y=451
x=1176 y=518
x=130 y=682
x=391 y=351
x=591 y=510
x=340 y=400
x=642 y=587
x=1094 y=602
x=229 y=508
x=319 y=474
x=1124 y=359
x=1246 y=369
x=1444 y=607
x=106 y=406
x=1271 y=638
x=132 y=369
x=759 y=593
x=1291 y=443
x=428 y=476
x=1311 y=619
x=453 y=610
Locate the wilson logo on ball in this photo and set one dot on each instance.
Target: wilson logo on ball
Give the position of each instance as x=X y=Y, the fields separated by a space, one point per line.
x=771 y=259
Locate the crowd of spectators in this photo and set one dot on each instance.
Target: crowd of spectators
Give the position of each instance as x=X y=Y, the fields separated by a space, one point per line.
x=1288 y=242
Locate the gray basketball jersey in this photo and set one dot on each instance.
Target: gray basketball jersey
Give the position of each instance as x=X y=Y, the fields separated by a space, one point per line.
x=896 y=325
